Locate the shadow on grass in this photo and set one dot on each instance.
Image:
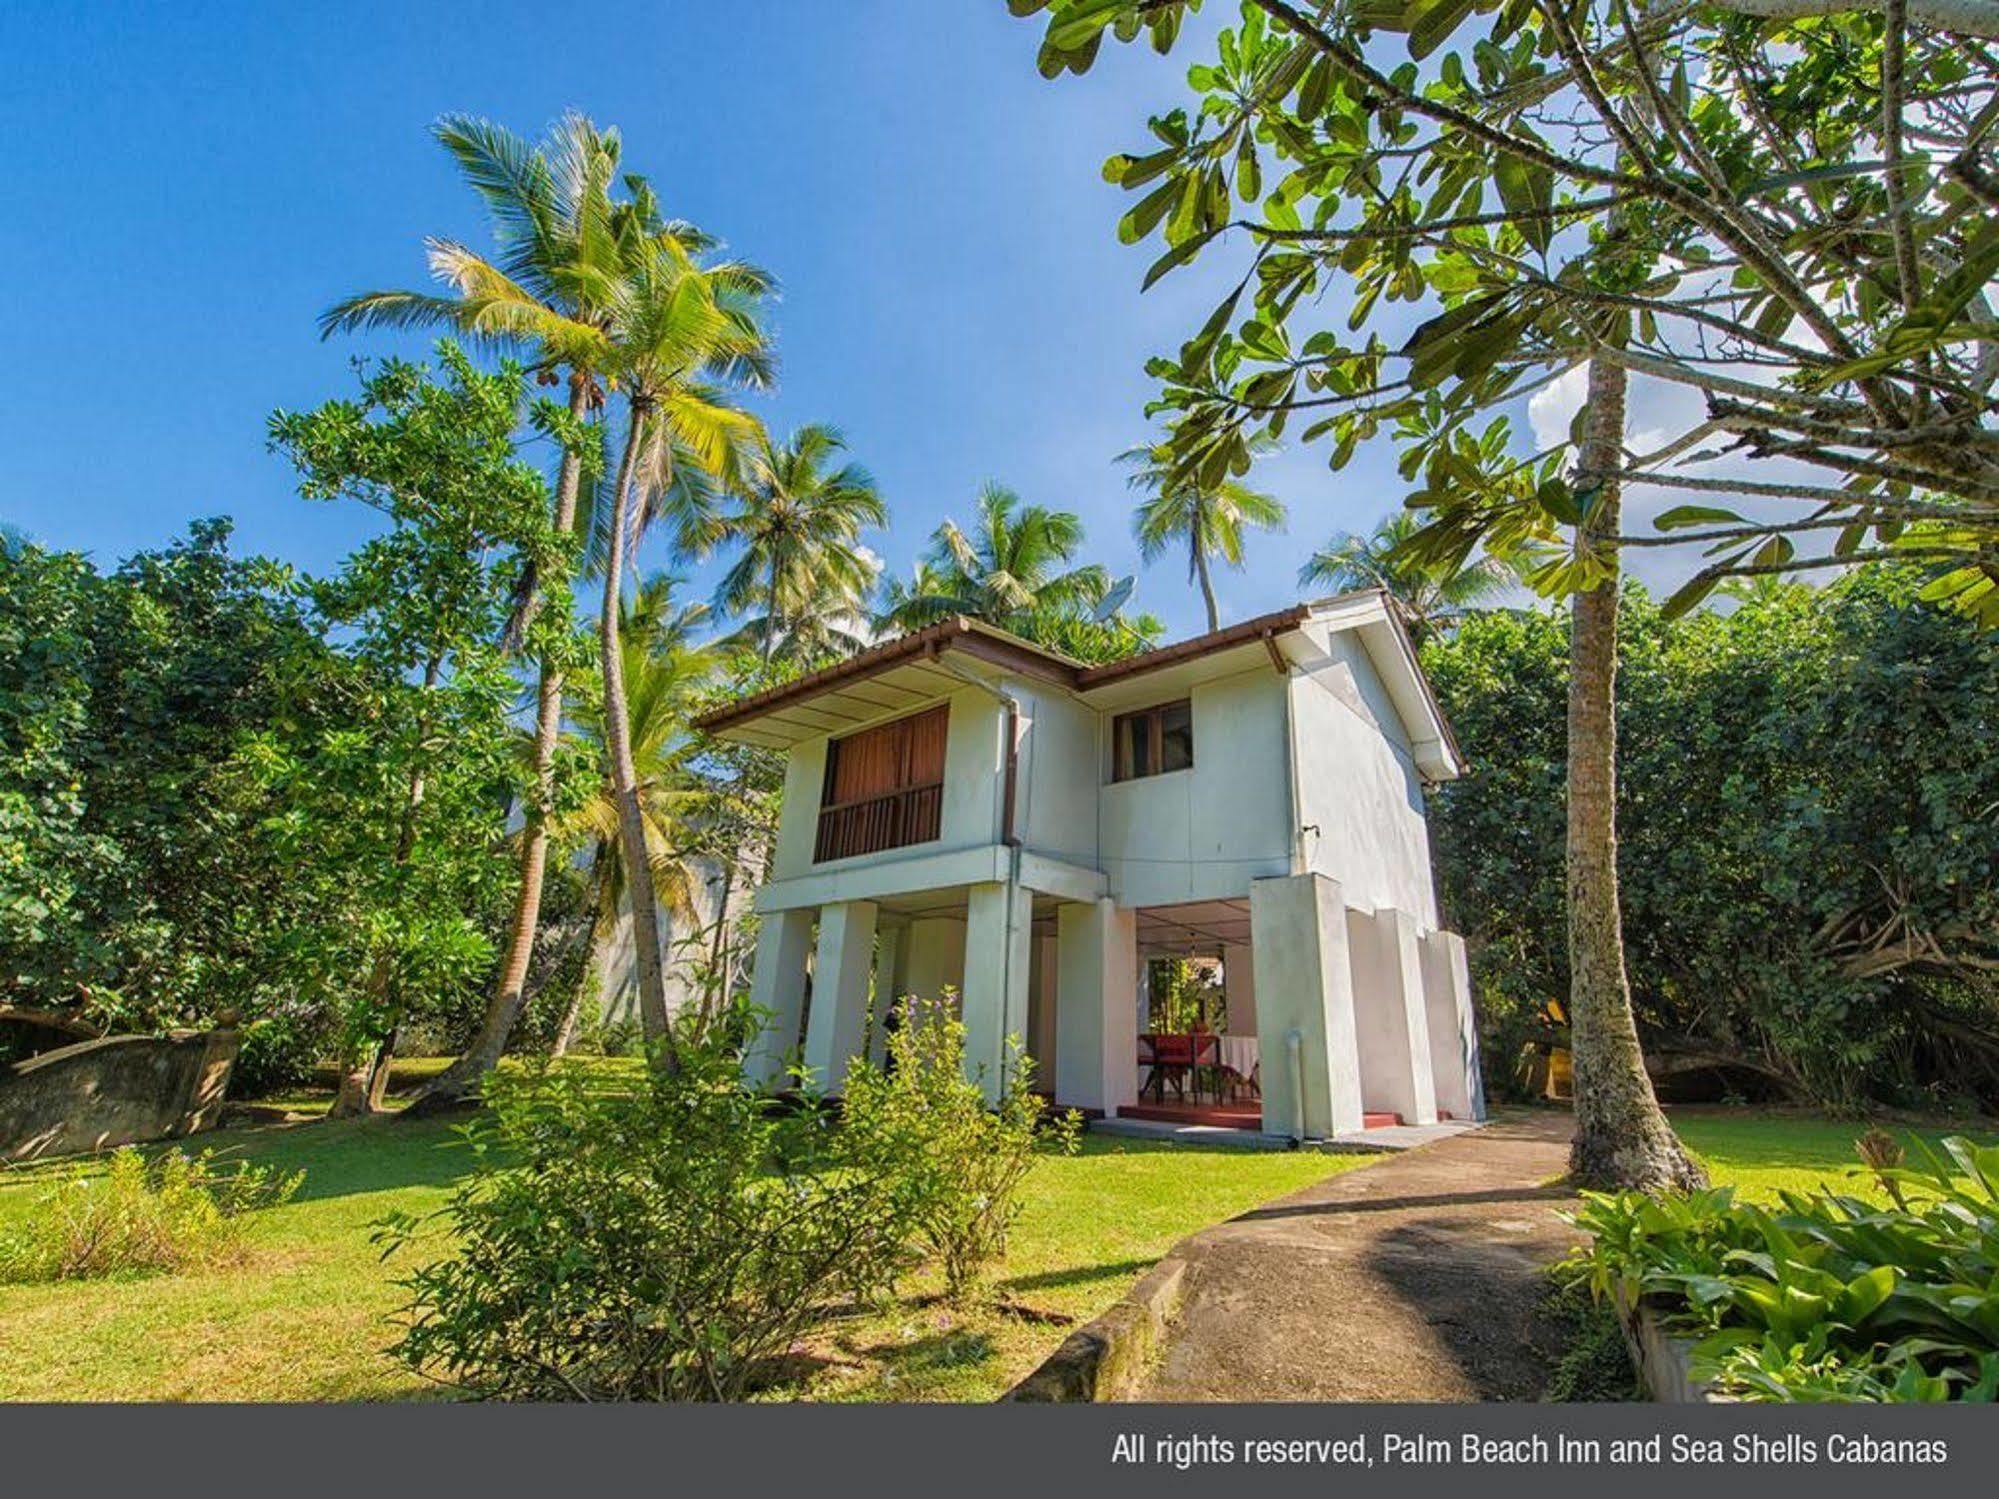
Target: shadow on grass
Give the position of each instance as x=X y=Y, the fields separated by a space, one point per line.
x=340 y=1158
x=938 y=1353
x=1077 y=1275
x=1550 y=1193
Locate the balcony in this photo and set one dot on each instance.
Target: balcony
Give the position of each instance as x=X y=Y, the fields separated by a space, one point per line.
x=870 y=825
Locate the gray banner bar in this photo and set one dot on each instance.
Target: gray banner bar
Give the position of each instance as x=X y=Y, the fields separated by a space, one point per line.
x=1112 y=1450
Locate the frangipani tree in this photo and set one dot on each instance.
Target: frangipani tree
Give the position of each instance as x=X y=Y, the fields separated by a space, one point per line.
x=1781 y=205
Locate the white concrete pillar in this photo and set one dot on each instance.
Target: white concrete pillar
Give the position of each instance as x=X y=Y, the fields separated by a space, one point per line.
x=836 y=1025
x=1391 y=1016
x=777 y=992
x=1453 y=1027
x=998 y=924
x=1298 y=930
x=1096 y=1006
x=1239 y=990
x=889 y=944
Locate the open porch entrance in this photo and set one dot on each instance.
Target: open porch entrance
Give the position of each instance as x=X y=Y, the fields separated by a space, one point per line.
x=1312 y=1020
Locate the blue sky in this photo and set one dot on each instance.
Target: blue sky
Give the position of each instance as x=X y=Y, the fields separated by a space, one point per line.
x=192 y=184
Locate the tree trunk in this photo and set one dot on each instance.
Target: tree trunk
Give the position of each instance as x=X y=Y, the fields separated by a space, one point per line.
x=379 y=1070
x=350 y=1098
x=503 y=1011
x=1622 y=1139
x=653 y=1017
x=366 y=1076
x=1207 y=583
x=770 y=619
x=565 y=1033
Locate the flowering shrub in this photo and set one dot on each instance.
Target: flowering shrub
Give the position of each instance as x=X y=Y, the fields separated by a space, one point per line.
x=174 y=1212
x=669 y=1238
x=961 y=1162
x=1827 y=1297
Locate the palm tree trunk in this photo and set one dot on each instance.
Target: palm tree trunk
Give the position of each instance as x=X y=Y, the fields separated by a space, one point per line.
x=770 y=617
x=503 y=1011
x=565 y=1033
x=1195 y=542
x=653 y=1016
x=1622 y=1139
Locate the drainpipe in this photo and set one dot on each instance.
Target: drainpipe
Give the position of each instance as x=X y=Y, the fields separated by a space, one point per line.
x=1294 y=786
x=1294 y=1049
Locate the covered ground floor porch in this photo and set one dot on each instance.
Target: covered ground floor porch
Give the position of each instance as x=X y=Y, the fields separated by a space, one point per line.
x=1350 y=1018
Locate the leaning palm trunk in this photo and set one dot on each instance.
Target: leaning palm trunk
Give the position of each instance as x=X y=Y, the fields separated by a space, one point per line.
x=623 y=773
x=1622 y=1139
x=1199 y=542
x=503 y=1010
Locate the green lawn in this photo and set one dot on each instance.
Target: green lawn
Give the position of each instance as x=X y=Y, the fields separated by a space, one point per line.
x=1761 y=1154
x=307 y=1315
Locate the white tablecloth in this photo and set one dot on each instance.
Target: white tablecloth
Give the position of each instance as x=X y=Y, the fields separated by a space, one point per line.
x=1240 y=1054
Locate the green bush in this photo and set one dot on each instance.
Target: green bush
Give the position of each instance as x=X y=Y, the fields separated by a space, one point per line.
x=174 y=1212
x=665 y=1238
x=1828 y=1296
x=923 y=1121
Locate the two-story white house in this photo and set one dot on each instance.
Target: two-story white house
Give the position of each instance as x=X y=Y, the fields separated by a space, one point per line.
x=965 y=810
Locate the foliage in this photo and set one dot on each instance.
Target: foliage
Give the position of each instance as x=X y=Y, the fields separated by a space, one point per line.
x=801 y=577
x=666 y=1240
x=1208 y=519
x=1827 y=1296
x=962 y=1163
x=1381 y=559
x=1012 y=568
x=1784 y=211
x=1595 y=1364
x=1183 y=994
x=388 y=784
x=1808 y=800
x=172 y=1212
x=137 y=894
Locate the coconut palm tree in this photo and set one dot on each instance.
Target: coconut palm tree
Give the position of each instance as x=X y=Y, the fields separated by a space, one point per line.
x=828 y=623
x=796 y=525
x=1208 y=519
x=1380 y=560
x=542 y=298
x=1009 y=567
x=682 y=336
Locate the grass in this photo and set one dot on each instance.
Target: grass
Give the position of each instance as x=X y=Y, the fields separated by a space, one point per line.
x=1763 y=1153
x=308 y=1313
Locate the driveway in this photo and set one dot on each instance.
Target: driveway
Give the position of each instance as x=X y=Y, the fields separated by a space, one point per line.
x=1415 y=1279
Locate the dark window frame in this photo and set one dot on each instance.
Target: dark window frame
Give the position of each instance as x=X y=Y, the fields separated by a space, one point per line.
x=1153 y=721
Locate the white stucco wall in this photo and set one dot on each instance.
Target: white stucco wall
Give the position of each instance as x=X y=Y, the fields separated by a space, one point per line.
x=1206 y=832
x=1056 y=797
x=1360 y=797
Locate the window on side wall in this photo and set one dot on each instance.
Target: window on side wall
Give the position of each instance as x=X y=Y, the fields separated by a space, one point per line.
x=1152 y=741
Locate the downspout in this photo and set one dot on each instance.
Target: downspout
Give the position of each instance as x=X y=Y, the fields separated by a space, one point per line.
x=1294 y=1048
x=1294 y=786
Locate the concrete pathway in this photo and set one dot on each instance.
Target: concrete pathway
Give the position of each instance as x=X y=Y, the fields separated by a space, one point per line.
x=1414 y=1279
x=1390 y=1137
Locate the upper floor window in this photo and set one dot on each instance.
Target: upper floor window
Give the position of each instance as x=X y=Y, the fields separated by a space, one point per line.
x=1152 y=741
x=884 y=787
